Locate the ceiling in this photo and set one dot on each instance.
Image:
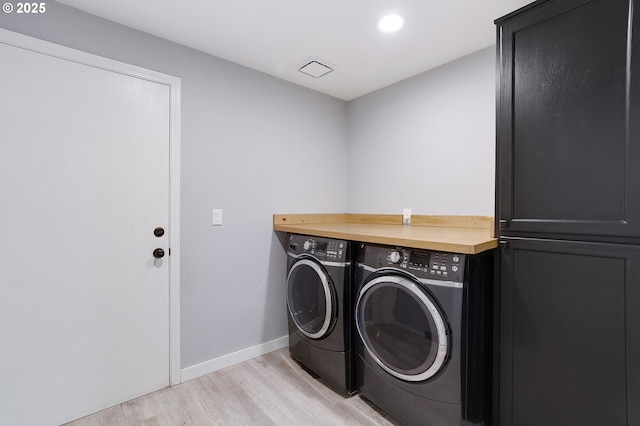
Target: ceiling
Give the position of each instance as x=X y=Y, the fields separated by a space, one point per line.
x=279 y=36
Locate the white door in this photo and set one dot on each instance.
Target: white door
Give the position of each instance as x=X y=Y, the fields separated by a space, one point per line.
x=84 y=181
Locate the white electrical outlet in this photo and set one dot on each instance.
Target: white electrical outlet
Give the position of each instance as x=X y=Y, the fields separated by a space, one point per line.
x=406 y=216
x=217 y=217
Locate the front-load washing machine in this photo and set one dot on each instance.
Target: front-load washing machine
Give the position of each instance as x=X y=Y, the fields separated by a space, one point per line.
x=319 y=305
x=423 y=344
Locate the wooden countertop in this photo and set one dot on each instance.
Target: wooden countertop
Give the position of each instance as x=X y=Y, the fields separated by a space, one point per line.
x=456 y=234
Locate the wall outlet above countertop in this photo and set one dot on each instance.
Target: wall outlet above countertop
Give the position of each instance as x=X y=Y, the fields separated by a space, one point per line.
x=406 y=216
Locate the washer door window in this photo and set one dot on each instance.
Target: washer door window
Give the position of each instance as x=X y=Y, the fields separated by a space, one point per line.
x=401 y=328
x=310 y=298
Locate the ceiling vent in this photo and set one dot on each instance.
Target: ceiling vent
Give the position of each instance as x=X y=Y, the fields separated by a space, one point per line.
x=315 y=68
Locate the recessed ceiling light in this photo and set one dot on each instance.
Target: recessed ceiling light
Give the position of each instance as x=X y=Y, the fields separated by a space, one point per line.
x=391 y=23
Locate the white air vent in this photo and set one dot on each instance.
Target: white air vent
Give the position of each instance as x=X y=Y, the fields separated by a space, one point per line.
x=315 y=69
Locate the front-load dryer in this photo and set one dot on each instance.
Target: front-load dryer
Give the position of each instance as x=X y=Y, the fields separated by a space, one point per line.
x=423 y=343
x=319 y=306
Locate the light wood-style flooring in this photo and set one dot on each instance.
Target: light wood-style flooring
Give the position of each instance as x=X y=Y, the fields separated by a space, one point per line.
x=268 y=390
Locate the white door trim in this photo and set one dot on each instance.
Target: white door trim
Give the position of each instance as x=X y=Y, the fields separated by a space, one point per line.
x=22 y=41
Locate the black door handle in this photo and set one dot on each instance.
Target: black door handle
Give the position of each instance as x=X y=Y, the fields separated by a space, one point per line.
x=158 y=253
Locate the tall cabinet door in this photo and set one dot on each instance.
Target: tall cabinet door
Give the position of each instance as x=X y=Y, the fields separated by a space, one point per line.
x=570 y=333
x=569 y=119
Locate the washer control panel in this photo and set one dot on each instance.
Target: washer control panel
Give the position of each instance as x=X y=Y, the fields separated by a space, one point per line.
x=322 y=248
x=422 y=263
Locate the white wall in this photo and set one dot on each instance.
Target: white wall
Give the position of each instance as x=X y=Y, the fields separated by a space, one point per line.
x=426 y=143
x=252 y=145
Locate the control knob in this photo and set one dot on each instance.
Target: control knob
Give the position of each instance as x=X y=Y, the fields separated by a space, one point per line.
x=307 y=245
x=394 y=257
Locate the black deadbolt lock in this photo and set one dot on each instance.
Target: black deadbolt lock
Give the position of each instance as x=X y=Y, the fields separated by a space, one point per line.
x=158 y=232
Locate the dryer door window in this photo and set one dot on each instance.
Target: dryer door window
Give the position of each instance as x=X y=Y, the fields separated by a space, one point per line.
x=402 y=328
x=310 y=299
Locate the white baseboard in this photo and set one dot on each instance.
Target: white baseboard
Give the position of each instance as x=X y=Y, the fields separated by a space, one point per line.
x=225 y=361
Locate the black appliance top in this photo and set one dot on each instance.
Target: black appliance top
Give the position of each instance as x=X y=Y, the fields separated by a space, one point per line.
x=319 y=247
x=422 y=263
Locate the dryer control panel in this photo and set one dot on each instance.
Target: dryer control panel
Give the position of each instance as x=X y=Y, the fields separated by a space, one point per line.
x=419 y=262
x=319 y=247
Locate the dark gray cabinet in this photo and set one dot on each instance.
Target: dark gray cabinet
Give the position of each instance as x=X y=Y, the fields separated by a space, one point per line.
x=568 y=213
x=569 y=119
x=569 y=333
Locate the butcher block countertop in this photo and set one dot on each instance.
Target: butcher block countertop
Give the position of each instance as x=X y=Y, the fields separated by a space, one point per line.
x=456 y=234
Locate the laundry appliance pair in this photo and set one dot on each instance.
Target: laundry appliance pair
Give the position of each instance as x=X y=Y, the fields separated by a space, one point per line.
x=410 y=329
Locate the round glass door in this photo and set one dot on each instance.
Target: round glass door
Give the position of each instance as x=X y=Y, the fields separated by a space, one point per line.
x=310 y=298
x=401 y=328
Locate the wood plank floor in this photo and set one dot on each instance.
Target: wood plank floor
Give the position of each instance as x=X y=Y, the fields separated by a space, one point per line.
x=268 y=390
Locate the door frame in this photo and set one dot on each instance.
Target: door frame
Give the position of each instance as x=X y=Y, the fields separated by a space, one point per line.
x=18 y=40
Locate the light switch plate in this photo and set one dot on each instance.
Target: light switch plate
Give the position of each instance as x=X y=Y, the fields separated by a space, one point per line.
x=217 y=217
